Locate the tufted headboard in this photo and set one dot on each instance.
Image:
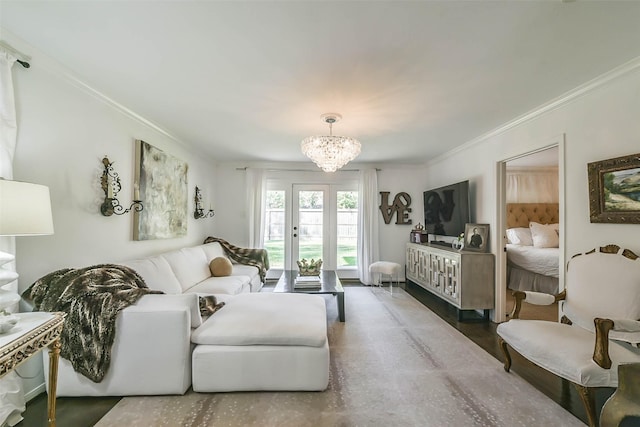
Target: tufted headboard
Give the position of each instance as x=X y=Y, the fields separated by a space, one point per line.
x=520 y=214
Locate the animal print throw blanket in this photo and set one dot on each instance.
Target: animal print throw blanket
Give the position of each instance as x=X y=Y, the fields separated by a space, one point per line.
x=92 y=297
x=255 y=257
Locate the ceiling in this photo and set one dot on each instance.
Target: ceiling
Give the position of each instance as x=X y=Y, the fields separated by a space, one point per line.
x=247 y=81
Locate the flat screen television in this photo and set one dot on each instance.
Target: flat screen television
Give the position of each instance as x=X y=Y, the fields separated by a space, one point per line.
x=446 y=209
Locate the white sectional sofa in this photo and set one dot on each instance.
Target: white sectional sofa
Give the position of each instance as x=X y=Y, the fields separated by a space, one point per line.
x=187 y=271
x=152 y=352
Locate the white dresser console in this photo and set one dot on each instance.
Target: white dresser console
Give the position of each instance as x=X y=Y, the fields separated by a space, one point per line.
x=465 y=279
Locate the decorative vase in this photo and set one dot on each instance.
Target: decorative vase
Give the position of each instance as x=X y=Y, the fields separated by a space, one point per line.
x=457 y=244
x=625 y=401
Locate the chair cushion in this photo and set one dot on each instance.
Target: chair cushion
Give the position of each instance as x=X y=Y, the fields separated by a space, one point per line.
x=604 y=285
x=267 y=319
x=565 y=351
x=220 y=266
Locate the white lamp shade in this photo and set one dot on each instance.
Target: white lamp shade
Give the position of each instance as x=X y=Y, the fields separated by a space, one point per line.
x=25 y=209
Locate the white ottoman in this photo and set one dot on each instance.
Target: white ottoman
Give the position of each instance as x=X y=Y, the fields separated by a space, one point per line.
x=391 y=269
x=263 y=341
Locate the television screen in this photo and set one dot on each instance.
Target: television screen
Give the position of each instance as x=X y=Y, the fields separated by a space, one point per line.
x=446 y=209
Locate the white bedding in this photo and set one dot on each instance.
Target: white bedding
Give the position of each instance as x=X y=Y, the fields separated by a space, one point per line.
x=543 y=261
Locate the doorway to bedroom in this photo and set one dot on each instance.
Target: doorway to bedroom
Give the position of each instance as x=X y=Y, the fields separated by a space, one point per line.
x=532 y=230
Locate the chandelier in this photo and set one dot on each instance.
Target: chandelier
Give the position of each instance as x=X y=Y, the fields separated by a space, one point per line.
x=331 y=152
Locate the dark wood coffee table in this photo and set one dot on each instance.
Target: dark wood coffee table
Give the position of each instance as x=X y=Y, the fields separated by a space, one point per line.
x=329 y=284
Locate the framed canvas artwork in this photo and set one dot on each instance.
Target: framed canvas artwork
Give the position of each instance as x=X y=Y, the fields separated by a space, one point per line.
x=162 y=182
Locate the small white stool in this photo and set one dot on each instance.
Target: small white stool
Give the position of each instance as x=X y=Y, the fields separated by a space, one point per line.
x=391 y=269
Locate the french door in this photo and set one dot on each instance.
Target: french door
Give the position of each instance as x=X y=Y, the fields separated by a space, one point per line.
x=312 y=221
x=311 y=224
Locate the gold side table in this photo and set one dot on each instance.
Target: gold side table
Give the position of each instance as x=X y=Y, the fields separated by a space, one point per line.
x=33 y=332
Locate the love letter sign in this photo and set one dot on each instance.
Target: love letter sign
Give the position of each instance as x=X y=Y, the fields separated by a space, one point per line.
x=400 y=207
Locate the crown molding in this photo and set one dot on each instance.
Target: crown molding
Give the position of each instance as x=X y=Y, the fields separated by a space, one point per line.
x=555 y=103
x=52 y=66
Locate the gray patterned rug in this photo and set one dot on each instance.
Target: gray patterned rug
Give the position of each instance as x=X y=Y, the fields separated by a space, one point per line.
x=393 y=362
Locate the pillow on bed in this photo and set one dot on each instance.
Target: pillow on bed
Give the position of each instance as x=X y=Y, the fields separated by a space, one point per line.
x=545 y=236
x=519 y=236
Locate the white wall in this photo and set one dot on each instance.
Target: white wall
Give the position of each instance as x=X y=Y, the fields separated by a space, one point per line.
x=600 y=124
x=394 y=237
x=230 y=192
x=63 y=134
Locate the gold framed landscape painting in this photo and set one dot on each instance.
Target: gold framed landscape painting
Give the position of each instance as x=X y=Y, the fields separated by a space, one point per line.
x=614 y=190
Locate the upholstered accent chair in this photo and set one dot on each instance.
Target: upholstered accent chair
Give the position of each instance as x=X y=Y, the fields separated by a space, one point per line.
x=599 y=329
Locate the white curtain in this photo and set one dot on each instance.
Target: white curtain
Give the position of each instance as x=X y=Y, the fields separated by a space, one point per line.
x=368 y=247
x=256 y=196
x=12 y=402
x=532 y=185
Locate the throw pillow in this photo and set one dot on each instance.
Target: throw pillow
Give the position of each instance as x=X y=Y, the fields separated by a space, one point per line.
x=220 y=266
x=209 y=305
x=544 y=236
x=520 y=236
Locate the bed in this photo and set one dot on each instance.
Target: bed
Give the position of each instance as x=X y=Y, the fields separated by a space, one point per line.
x=532 y=248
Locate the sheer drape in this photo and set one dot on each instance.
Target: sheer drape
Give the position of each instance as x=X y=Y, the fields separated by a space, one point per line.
x=12 y=402
x=256 y=196
x=368 y=248
x=532 y=186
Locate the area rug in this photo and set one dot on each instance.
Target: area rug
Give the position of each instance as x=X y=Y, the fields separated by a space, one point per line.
x=393 y=363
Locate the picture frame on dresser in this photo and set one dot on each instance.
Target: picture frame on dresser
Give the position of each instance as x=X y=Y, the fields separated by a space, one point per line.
x=614 y=190
x=476 y=237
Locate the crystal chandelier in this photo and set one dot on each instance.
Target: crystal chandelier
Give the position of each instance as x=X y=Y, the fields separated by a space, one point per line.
x=331 y=152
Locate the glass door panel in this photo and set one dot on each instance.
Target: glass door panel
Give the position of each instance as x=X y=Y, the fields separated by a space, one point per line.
x=308 y=223
x=347 y=229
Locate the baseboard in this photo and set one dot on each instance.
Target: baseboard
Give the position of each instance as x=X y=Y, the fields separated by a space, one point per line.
x=28 y=395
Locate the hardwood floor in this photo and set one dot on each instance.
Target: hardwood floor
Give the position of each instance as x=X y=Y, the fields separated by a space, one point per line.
x=86 y=411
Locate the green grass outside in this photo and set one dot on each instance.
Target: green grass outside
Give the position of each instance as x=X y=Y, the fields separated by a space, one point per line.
x=346 y=253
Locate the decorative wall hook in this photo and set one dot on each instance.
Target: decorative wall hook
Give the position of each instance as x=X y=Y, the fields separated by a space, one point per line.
x=199 y=212
x=111 y=186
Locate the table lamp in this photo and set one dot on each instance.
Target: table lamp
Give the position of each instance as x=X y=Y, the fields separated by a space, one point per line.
x=25 y=210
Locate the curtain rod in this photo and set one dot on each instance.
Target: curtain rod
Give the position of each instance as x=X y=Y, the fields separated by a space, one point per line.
x=21 y=58
x=302 y=170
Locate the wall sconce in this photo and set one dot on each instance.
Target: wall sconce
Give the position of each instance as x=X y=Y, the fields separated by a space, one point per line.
x=199 y=212
x=111 y=186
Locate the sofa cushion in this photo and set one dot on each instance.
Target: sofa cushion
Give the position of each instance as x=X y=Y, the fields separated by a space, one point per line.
x=221 y=285
x=244 y=270
x=156 y=273
x=172 y=302
x=212 y=250
x=189 y=265
x=220 y=266
x=267 y=319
